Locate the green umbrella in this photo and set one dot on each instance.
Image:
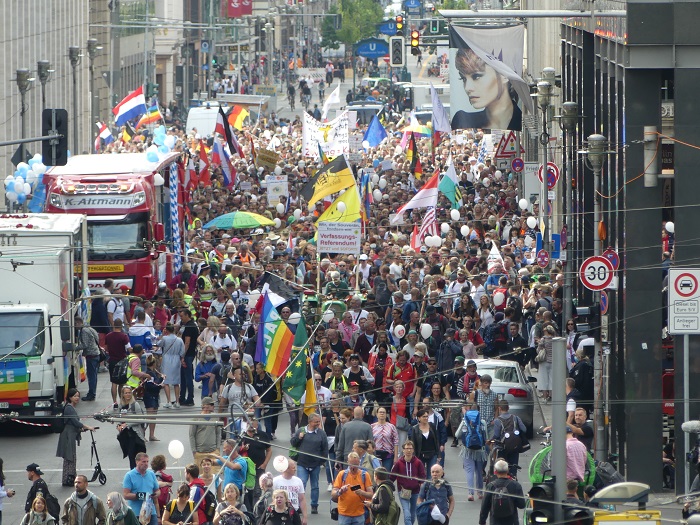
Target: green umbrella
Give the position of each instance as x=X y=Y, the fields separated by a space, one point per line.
x=238 y=220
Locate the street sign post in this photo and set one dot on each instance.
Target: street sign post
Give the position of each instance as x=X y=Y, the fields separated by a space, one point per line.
x=596 y=273
x=543 y=258
x=612 y=256
x=553 y=174
x=517 y=164
x=684 y=301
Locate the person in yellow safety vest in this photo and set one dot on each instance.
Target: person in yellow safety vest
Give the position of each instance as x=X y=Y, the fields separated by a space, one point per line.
x=196 y=224
x=134 y=375
x=204 y=284
x=189 y=300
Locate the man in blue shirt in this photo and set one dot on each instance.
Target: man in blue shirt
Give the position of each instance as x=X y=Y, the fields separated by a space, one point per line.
x=235 y=466
x=140 y=484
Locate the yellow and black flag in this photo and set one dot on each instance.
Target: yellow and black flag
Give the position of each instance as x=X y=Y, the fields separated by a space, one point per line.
x=333 y=177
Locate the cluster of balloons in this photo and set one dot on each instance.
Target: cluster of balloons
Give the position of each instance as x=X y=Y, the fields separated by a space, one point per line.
x=19 y=186
x=426 y=330
x=381 y=182
x=433 y=241
x=162 y=145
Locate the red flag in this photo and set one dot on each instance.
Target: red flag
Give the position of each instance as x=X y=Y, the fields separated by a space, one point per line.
x=239 y=8
x=191 y=178
x=204 y=171
x=415 y=239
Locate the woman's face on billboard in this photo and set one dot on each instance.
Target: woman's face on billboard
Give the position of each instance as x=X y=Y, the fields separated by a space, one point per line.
x=482 y=87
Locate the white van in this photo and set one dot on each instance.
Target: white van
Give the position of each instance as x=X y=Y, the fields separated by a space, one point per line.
x=203 y=118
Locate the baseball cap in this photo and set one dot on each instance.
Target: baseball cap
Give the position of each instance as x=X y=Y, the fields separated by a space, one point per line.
x=33 y=467
x=354 y=383
x=412 y=332
x=207 y=401
x=418 y=354
x=204 y=267
x=459 y=359
x=123 y=287
x=363 y=257
x=471 y=362
x=432 y=360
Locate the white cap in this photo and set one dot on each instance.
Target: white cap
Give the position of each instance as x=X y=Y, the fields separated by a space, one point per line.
x=162 y=285
x=363 y=257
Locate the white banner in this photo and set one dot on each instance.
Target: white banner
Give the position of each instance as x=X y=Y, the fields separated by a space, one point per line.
x=339 y=237
x=277 y=185
x=333 y=136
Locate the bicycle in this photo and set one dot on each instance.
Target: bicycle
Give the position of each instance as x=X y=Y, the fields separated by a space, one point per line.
x=290 y=98
x=496 y=447
x=306 y=100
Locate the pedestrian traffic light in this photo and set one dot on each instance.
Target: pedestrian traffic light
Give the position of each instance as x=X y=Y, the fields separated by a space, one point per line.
x=415 y=42
x=54 y=152
x=578 y=516
x=396 y=47
x=399 y=25
x=542 y=511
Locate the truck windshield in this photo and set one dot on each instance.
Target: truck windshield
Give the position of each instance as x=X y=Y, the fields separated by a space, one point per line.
x=23 y=332
x=113 y=240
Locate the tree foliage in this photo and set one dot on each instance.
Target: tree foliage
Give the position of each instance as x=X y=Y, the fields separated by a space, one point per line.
x=359 y=20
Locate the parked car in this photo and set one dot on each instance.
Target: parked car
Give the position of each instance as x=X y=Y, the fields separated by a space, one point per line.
x=511 y=384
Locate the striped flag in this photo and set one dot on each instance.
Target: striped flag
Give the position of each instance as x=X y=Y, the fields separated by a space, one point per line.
x=429 y=225
x=322 y=154
x=236 y=116
x=426 y=197
x=482 y=151
x=449 y=184
x=151 y=116
x=274 y=346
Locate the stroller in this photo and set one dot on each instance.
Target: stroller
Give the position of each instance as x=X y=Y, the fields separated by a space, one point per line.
x=98 y=474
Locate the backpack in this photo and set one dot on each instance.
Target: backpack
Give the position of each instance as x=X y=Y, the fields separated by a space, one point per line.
x=250 y=475
x=606 y=475
x=208 y=504
x=165 y=491
x=59 y=424
x=512 y=442
x=394 y=512
x=474 y=437
x=53 y=507
x=502 y=505
x=423 y=510
x=119 y=375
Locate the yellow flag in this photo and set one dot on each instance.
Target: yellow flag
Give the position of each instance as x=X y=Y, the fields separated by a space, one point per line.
x=333 y=177
x=351 y=199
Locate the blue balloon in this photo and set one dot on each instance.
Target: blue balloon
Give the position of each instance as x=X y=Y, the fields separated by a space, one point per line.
x=21 y=198
x=376 y=163
x=32 y=161
x=68 y=153
x=159 y=140
x=152 y=156
x=22 y=170
x=163 y=149
x=160 y=130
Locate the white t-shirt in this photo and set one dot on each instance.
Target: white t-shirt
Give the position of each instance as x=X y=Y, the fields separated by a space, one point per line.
x=223 y=342
x=115 y=306
x=293 y=486
x=232 y=392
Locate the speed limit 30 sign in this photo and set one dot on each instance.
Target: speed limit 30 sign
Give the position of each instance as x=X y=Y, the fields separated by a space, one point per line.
x=596 y=273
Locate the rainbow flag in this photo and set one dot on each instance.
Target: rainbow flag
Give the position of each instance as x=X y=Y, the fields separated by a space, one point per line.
x=151 y=116
x=322 y=154
x=236 y=116
x=14 y=381
x=274 y=347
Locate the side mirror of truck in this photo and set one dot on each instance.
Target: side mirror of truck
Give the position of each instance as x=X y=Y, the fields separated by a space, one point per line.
x=65 y=331
x=159 y=232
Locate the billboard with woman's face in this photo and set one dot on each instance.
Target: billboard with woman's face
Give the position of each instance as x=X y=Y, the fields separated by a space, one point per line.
x=486 y=65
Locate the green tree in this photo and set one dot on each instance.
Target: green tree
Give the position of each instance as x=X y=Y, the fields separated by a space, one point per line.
x=329 y=35
x=454 y=4
x=360 y=18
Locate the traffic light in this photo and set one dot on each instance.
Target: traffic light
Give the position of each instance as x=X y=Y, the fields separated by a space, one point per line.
x=542 y=511
x=415 y=42
x=399 y=25
x=578 y=516
x=396 y=50
x=54 y=152
x=434 y=27
x=151 y=90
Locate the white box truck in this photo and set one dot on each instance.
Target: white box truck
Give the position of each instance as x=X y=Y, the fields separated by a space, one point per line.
x=38 y=360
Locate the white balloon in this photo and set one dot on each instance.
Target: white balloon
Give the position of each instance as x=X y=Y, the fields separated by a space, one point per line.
x=498 y=174
x=437 y=241
x=31 y=177
x=487 y=182
x=11 y=196
x=398 y=150
x=365 y=144
x=19 y=186
x=176 y=448
x=297 y=213
x=9 y=180
x=277 y=222
x=377 y=194
x=278 y=170
x=39 y=168
x=375 y=178
x=426 y=330
x=341 y=207
x=328 y=315
x=399 y=330
x=523 y=204
x=498 y=298
x=670 y=227
x=170 y=141
x=37 y=156
x=444 y=227
x=27 y=188
x=294 y=318
x=158 y=179
x=531 y=223
x=464 y=230
x=280 y=464
x=280 y=208
x=454 y=215
x=382 y=183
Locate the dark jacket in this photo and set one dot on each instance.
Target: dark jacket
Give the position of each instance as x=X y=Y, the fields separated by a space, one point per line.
x=94 y=511
x=381 y=501
x=513 y=488
x=313 y=447
x=417 y=438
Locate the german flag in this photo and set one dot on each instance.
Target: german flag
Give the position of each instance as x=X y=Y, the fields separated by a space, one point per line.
x=236 y=116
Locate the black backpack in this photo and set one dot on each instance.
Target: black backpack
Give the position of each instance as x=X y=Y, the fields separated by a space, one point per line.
x=119 y=375
x=502 y=505
x=512 y=442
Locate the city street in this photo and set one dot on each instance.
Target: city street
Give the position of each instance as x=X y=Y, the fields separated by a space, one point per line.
x=19 y=450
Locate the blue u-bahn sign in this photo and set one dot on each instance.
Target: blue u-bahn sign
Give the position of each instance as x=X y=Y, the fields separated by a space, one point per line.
x=372 y=48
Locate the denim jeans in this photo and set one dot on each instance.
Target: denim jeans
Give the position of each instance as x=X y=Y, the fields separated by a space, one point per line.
x=429 y=464
x=351 y=520
x=305 y=474
x=330 y=471
x=408 y=507
x=91 y=366
x=187 y=381
x=388 y=463
x=475 y=475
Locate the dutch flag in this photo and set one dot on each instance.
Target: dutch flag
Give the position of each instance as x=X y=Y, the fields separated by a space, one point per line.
x=104 y=134
x=131 y=107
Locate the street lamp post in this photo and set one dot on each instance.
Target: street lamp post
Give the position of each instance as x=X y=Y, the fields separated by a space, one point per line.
x=43 y=69
x=74 y=57
x=597 y=145
x=268 y=35
x=544 y=98
x=24 y=83
x=568 y=122
x=92 y=49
